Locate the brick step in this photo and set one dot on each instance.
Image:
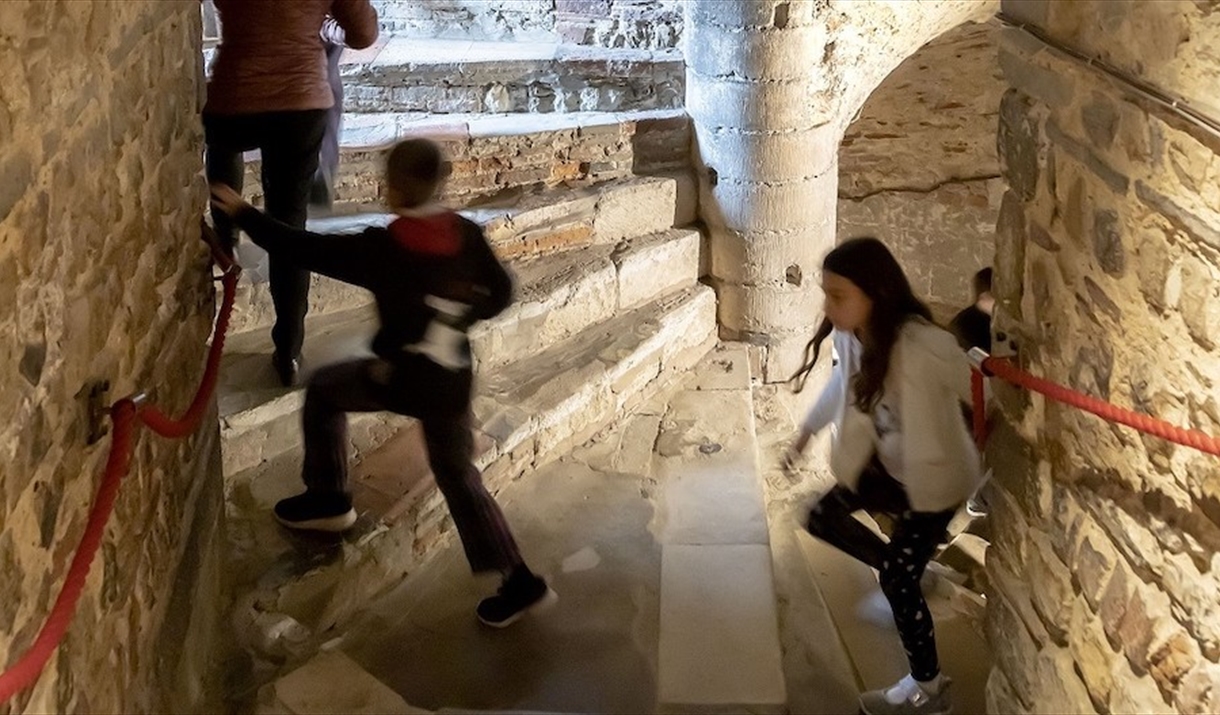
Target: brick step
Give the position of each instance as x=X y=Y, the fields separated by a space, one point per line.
x=525 y=414
x=440 y=76
x=526 y=226
x=497 y=153
x=557 y=297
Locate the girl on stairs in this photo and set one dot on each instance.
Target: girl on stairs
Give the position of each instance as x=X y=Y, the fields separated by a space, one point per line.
x=900 y=446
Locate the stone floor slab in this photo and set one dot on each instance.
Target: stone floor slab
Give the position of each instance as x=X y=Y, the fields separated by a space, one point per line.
x=719 y=644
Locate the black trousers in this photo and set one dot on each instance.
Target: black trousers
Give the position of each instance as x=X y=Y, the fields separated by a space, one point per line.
x=440 y=399
x=901 y=562
x=289 y=142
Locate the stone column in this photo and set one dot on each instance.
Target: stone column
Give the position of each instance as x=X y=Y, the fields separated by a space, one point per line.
x=766 y=155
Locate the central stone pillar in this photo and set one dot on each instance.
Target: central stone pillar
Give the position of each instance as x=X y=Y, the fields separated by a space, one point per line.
x=766 y=153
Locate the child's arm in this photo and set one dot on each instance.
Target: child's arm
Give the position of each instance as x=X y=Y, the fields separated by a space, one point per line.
x=341 y=256
x=497 y=284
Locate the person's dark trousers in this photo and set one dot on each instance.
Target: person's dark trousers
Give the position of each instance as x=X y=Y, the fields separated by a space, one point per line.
x=901 y=562
x=322 y=191
x=289 y=143
x=440 y=399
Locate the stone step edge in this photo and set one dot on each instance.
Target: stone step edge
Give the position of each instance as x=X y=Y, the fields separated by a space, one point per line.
x=389 y=552
x=505 y=437
x=532 y=296
x=519 y=232
x=357 y=135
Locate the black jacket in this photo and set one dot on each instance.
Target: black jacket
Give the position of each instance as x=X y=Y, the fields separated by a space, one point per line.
x=399 y=277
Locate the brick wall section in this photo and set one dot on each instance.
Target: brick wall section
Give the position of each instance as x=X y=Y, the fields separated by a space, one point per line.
x=651 y=24
x=918 y=169
x=1108 y=258
x=102 y=276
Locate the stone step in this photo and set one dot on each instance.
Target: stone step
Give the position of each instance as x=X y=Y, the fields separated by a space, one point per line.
x=525 y=414
x=557 y=297
x=719 y=647
x=440 y=76
x=523 y=227
x=495 y=153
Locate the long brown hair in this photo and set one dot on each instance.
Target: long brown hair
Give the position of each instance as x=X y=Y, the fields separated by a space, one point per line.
x=868 y=264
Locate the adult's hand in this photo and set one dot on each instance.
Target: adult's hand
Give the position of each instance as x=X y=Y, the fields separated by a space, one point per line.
x=226 y=200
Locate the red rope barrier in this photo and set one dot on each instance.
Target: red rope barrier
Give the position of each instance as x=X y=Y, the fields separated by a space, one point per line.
x=1194 y=439
x=979 y=408
x=163 y=425
x=124 y=414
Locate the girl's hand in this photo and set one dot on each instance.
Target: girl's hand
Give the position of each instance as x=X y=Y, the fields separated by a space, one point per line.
x=791 y=460
x=226 y=200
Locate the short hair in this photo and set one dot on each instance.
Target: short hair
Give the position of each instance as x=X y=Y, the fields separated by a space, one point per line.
x=414 y=160
x=982 y=282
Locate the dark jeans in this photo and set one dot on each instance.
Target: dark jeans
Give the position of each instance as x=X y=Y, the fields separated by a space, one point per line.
x=289 y=142
x=901 y=562
x=440 y=399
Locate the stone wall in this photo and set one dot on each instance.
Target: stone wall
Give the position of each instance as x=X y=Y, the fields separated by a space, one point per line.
x=652 y=24
x=1108 y=278
x=103 y=277
x=918 y=168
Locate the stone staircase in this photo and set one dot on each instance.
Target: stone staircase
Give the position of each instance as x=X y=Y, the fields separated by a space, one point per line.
x=655 y=534
x=608 y=311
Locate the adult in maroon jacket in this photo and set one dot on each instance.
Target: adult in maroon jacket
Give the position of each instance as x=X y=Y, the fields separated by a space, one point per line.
x=432 y=275
x=270 y=91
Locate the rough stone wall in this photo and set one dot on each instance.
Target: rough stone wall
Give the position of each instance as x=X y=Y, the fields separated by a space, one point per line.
x=918 y=168
x=652 y=24
x=1104 y=559
x=103 y=276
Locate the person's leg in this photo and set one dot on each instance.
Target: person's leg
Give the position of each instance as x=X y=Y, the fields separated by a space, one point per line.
x=289 y=146
x=915 y=539
x=333 y=392
x=224 y=138
x=831 y=518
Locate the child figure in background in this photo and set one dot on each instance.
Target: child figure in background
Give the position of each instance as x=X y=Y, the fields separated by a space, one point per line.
x=900 y=446
x=433 y=275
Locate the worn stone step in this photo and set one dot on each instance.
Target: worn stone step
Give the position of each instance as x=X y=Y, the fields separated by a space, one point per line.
x=527 y=225
x=526 y=414
x=557 y=297
x=716 y=560
x=442 y=76
x=495 y=153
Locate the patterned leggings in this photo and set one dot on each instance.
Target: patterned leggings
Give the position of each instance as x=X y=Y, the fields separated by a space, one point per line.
x=901 y=561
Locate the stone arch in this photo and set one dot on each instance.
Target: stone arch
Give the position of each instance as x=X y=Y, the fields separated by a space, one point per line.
x=918 y=166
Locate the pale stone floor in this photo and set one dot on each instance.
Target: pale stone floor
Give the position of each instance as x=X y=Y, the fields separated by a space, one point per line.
x=588 y=522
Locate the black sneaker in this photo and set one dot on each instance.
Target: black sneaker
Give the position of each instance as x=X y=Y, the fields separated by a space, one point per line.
x=313 y=511
x=286 y=368
x=521 y=593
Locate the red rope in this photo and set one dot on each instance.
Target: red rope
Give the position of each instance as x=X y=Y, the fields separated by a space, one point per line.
x=1005 y=370
x=123 y=414
x=156 y=420
x=979 y=408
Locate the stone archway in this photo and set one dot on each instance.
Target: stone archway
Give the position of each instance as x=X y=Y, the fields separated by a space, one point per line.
x=771 y=87
x=918 y=166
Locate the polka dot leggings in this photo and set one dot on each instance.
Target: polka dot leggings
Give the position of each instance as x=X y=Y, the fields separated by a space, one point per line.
x=901 y=561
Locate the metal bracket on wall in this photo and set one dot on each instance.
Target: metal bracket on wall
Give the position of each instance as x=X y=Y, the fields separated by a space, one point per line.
x=99 y=410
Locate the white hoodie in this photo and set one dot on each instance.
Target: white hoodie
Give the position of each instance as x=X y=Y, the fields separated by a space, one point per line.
x=930 y=375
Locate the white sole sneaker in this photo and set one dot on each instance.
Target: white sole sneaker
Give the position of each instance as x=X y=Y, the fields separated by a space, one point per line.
x=334 y=524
